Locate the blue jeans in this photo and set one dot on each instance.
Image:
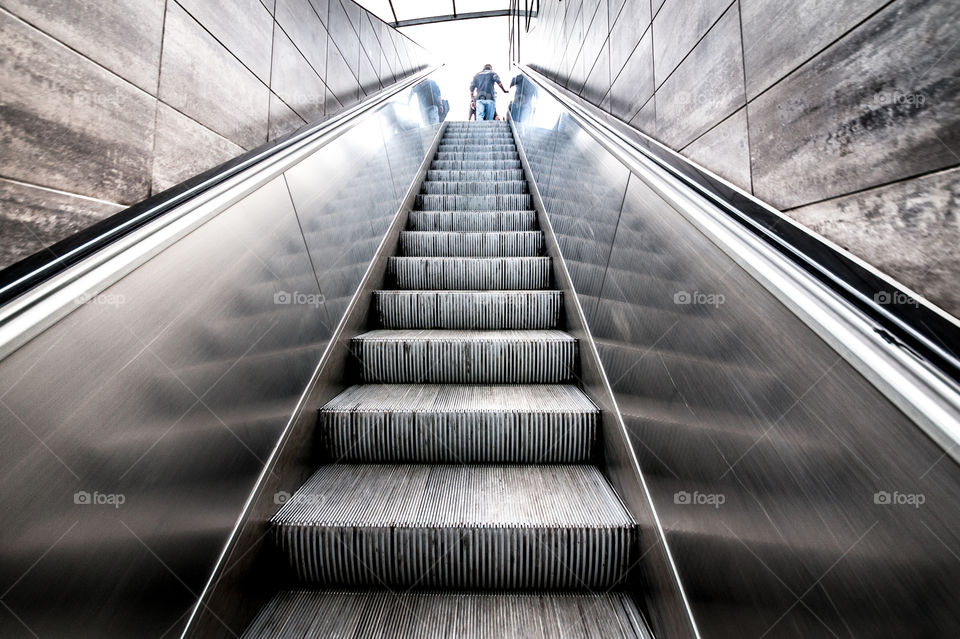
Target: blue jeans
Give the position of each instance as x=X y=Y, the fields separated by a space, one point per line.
x=486 y=109
x=431 y=115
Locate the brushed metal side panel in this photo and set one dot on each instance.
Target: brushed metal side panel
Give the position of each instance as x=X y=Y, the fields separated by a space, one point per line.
x=796 y=498
x=135 y=427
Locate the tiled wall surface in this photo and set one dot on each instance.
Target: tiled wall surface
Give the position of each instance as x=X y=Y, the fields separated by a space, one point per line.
x=106 y=103
x=845 y=115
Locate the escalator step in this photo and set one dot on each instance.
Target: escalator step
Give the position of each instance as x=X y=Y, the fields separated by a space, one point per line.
x=493 y=146
x=475 y=165
x=456 y=526
x=447 y=244
x=477 y=155
x=470 y=273
x=474 y=176
x=449 y=423
x=472 y=221
x=469 y=310
x=479 y=138
x=516 y=187
x=515 y=202
x=443 y=615
x=397 y=356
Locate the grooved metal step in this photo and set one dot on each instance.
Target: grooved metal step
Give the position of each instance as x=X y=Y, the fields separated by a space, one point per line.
x=491 y=145
x=470 y=273
x=514 y=202
x=474 y=176
x=484 y=140
x=472 y=221
x=477 y=155
x=468 y=310
x=516 y=187
x=444 y=615
x=517 y=527
x=449 y=423
x=397 y=356
x=475 y=165
x=447 y=244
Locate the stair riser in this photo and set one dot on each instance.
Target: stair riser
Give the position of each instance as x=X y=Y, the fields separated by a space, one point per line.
x=472 y=221
x=488 y=156
x=475 y=176
x=467 y=557
x=421 y=273
x=474 y=188
x=486 y=140
x=451 y=146
x=465 y=362
x=529 y=244
x=468 y=311
x=459 y=437
x=474 y=202
x=474 y=165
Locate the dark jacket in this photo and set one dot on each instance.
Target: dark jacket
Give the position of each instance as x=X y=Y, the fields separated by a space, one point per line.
x=485 y=82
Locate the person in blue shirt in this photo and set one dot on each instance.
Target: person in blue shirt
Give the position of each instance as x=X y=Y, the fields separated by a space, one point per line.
x=484 y=85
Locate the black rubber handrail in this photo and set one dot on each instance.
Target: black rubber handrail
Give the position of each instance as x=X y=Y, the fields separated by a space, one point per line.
x=33 y=270
x=900 y=318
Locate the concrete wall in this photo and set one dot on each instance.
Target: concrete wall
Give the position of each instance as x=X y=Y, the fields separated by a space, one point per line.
x=845 y=115
x=105 y=103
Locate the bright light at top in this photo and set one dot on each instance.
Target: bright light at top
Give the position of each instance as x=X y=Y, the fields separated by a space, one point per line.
x=464 y=47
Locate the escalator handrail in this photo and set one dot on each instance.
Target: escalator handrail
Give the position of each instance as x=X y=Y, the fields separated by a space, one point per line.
x=913 y=325
x=27 y=274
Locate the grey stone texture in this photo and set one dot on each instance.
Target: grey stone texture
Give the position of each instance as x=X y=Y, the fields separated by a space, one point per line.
x=106 y=103
x=909 y=227
x=32 y=218
x=184 y=148
x=724 y=149
x=818 y=108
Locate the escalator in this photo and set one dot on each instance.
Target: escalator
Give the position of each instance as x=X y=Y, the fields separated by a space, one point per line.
x=463 y=462
x=533 y=379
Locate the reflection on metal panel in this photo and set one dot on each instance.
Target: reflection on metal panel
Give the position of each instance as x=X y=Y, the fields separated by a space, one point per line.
x=134 y=428
x=797 y=500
